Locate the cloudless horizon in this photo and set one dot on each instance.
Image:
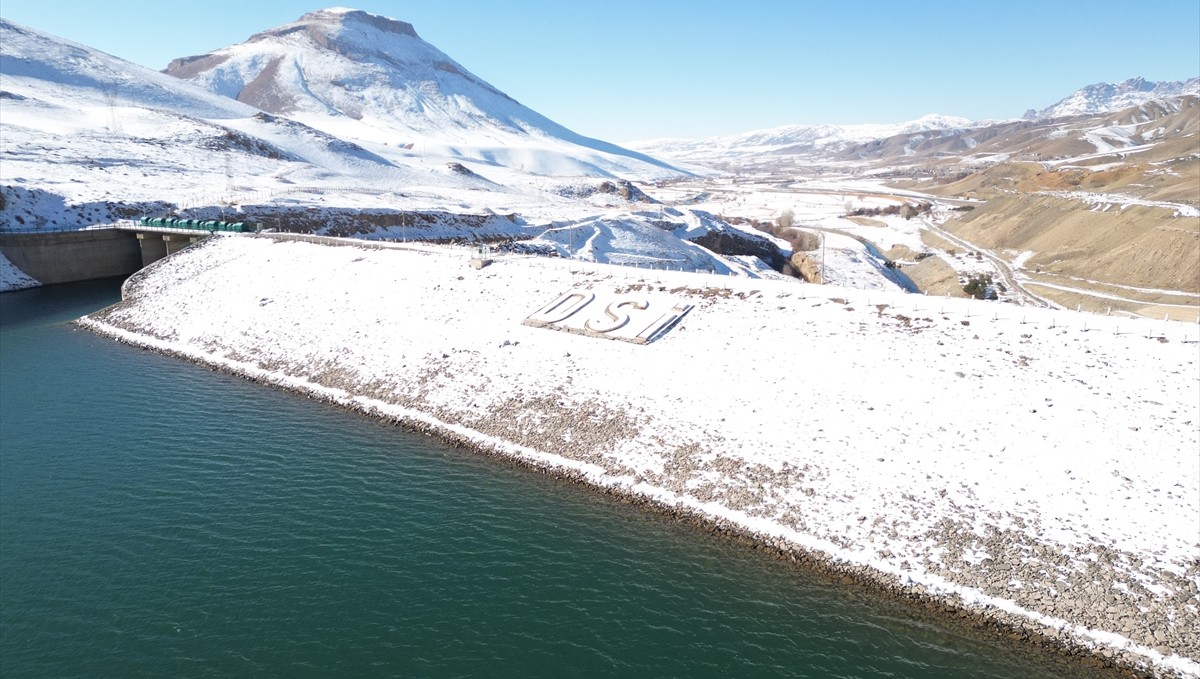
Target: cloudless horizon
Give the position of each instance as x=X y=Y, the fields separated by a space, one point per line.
x=625 y=70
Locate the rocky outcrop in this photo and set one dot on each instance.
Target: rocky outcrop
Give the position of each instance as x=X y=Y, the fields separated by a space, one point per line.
x=806 y=268
x=730 y=241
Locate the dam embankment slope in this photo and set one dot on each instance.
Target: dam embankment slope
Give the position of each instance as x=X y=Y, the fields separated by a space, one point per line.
x=1032 y=468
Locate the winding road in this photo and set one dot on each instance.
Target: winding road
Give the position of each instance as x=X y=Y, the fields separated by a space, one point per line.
x=1004 y=268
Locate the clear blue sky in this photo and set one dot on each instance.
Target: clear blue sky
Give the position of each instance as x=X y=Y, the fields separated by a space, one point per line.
x=623 y=70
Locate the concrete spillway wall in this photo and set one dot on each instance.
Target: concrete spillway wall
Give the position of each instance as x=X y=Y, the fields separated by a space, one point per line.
x=68 y=256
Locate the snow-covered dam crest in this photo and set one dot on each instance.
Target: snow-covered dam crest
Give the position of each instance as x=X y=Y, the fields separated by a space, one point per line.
x=1036 y=468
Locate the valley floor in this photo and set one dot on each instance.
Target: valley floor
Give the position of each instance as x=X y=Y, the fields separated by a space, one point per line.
x=932 y=250
x=1036 y=467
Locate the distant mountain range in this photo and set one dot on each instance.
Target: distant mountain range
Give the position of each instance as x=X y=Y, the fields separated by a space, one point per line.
x=947 y=135
x=793 y=139
x=1107 y=97
x=348 y=123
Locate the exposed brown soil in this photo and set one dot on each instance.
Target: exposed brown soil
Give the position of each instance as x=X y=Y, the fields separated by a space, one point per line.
x=935 y=241
x=1133 y=245
x=935 y=277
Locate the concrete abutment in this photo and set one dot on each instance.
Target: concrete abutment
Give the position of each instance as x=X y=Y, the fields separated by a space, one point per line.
x=153 y=247
x=70 y=256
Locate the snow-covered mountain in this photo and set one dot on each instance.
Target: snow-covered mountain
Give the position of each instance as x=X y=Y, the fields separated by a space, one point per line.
x=373 y=79
x=1106 y=97
x=794 y=139
x=89 y=138
x=85 y=128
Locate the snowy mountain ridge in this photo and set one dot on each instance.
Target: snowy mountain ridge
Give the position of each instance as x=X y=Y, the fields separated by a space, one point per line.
x=848 y=141
x=796 y=138
x=33 y=59
x=1107 y=97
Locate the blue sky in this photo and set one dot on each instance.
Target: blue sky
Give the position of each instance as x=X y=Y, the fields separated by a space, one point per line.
x=627 y=69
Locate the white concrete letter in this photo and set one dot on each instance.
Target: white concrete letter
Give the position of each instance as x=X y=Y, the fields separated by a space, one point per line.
x=616 y=321
x=562 y=308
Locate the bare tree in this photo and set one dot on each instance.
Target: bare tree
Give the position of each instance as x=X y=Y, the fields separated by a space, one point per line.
x=785 y=219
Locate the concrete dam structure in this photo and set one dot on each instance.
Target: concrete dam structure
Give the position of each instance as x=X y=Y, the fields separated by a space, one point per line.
x=53 y=257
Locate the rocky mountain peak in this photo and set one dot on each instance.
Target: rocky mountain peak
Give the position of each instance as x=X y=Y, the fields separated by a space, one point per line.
x=1105 y=97
x=370 y=78
x=346 y=62
x=339 y=21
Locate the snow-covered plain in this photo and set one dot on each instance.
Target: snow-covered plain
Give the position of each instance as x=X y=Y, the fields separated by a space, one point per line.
x=1038 y=465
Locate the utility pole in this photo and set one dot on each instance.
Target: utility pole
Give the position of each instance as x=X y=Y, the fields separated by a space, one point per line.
x=822 y=257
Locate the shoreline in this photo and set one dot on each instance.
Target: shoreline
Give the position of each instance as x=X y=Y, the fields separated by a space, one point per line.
x=612 y=446
x=1002 y=625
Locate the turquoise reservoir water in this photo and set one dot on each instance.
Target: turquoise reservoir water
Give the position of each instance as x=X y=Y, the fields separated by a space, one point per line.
x=158 y=519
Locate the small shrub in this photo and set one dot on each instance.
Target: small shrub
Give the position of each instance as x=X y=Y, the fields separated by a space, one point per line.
x=804 y=241
x=980 y=286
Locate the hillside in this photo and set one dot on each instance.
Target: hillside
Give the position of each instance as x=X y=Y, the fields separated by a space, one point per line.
x=1096 y=210
x=91 y=139
x=1155 y=131
x=1107 y=207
